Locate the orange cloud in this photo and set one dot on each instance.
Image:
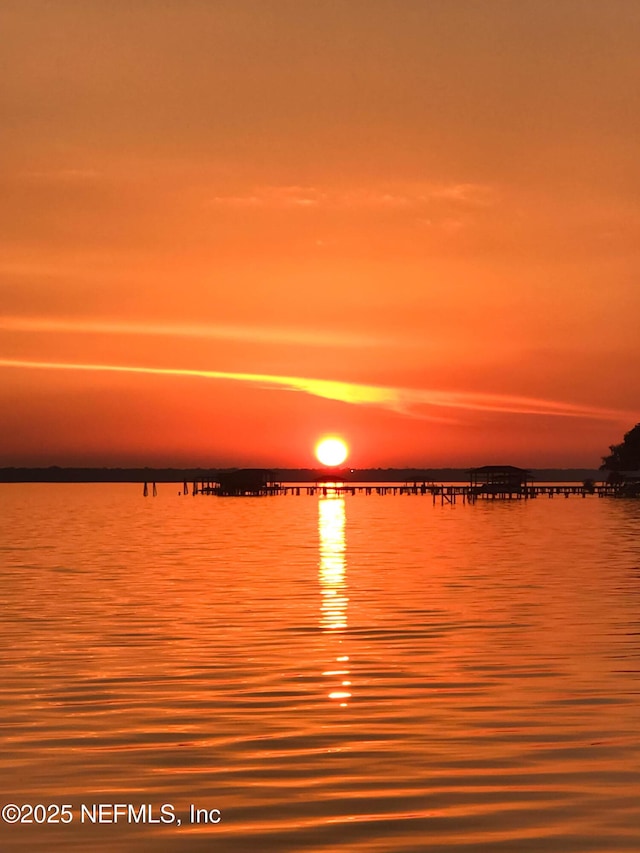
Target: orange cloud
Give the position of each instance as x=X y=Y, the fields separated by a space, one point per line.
x=406 y=401
x=218 y=331
x=400 y=196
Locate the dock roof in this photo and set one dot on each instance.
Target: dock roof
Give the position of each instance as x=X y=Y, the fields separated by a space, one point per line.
x=497 y=469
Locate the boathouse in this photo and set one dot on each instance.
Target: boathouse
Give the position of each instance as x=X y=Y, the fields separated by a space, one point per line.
x=244 y=482
x=499 y=480
x=334 y=475
x=629 y=487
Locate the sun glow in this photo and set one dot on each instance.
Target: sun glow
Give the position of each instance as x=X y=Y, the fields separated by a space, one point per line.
x=331 y=451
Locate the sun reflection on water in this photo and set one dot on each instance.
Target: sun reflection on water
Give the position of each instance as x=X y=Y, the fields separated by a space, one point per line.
x=333 y=586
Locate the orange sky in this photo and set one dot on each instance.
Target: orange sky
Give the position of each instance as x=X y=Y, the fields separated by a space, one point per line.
x=229 y=227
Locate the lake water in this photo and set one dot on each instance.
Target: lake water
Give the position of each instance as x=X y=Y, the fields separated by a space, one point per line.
x=363 y=674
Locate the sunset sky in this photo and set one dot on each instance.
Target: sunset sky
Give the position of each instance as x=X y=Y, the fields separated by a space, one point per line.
x=229 y=227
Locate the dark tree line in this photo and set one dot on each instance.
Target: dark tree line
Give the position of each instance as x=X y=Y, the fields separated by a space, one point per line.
x=626 y=455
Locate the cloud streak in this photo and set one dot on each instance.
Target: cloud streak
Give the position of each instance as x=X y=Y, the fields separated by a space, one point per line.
x=397 y=196
x=271 y=335
x=407 y=401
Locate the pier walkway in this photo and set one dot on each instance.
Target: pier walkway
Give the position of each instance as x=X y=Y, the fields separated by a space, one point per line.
x=444 y=494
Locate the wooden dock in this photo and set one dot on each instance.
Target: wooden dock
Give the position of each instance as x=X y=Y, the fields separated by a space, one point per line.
x=439 y=493
x=488 y=483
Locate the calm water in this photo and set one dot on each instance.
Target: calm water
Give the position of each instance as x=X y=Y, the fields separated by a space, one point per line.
x=369 y=674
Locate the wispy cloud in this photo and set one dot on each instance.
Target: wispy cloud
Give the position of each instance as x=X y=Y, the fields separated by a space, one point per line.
x=273 y=196
x=257 y=334
x=474 y=194
x=409 y=401
x=64 y=175
x=394 y=196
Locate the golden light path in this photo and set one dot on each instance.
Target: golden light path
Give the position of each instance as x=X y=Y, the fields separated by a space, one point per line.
x=406 y=401
x=333 y=589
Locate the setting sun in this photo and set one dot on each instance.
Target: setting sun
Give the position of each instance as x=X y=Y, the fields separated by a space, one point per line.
x=331 y=451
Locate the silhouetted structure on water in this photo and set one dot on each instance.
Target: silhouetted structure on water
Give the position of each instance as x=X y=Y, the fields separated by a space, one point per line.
x=246 y=482
x=499 y=480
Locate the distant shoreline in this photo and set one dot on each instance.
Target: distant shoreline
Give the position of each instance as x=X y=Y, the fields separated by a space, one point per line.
x=55 y=474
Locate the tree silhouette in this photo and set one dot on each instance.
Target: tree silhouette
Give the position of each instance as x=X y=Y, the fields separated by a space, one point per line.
x=626 y=455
